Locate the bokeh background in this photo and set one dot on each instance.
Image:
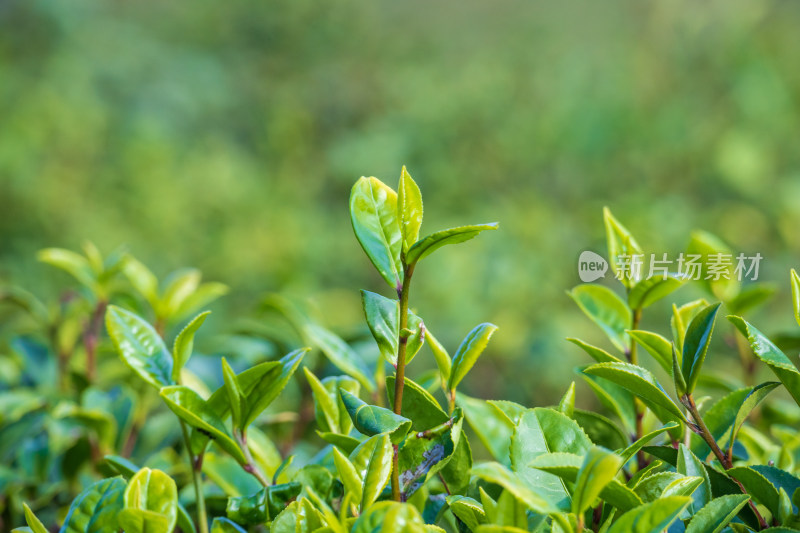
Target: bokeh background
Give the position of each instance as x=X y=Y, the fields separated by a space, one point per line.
x=227 y=135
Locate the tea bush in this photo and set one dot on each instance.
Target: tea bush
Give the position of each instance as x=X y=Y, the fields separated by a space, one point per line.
x=148 y=447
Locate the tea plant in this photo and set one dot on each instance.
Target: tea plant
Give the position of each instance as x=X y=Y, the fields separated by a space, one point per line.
x=651 y=459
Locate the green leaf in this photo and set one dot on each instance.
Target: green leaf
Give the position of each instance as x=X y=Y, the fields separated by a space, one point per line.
x=600 y=429
x=181 y=285
x=541 y=431
x=427 y=245
x=695 y=345
x=223 y=525
x=467 y=510
x=373 y=420
x=33 y=522
x=74 y=264
x=598 y=469
x=681 y=316
x=690 y=465
x=423 y=455
x=567 y=403
x=151 y=503
x=641 y=383
x=326 y=409
x=184 y=343
x=614 y=398
x=440 y=355
x=620 y=243
x=567 y=465
x=264 y=505
x=468 y=352
x=796 y=294
x=236 y=397
x=726 y=416
x=373 y=213
x=707 y=245
x=379 y=469
x=763 y=483
x=750 y=297
x=382 y=318
x=598 y=354
x=650 y=517
x=717 y=513
x=648 y=291
x=261 y=393
x=651 y=487
x=340 y=354
x=201 y=297
x=409 y=209
x=389 y=517
x=192 y=409
x=634 y=448
x=139 y=346
x=493 y=428
x=607 y=310
x=96 y=508
x=500 y=475
x=348 y=474
x=656 y=345
x=768 y=353
x=142 y=279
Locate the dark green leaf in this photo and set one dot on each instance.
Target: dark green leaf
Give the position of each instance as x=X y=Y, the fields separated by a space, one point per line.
x=373 y=420
x=264 y=505
x=695 y=345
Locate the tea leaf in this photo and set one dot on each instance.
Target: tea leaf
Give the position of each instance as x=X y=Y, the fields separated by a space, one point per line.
x=373 y=213
x=409 y=209
x=184 y=343
x=648 y=291
x=654 y=516
x=140 y=347
x=620 y=243
x=695 y=345
x=768 y=353
x=640 y=382
x=607 y=310
x=373 y=420
x=468 y=352
x=96 y=508
x=193 y=410
x=598 y=469
x=717 y=513
x=427 y=245
x=151 y=503
x=656 y=345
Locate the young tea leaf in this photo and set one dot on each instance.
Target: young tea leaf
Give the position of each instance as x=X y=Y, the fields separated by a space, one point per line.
x=598 y=469
x=695 y=345
x=409 y=209
x=468 y=352
x=373 y=420
x=607 y=310
x=151 y=503
x=184 y=343
x=373 y=213
x=139 y=346
x=426 y=246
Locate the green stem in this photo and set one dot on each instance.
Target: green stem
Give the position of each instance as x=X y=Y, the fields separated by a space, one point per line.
x=400 y=375
x=196 y=465
x=91 y=337
x=701 y=429
x=641 y=461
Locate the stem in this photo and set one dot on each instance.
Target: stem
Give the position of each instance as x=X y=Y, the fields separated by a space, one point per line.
x=91 y=337
x=250 y=467
x=451 y=401
x=701 y=429
x=641 y=461
x=400 y=375
x=197 y=479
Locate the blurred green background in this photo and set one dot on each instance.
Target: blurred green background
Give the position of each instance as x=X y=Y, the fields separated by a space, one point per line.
x=227 y=135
